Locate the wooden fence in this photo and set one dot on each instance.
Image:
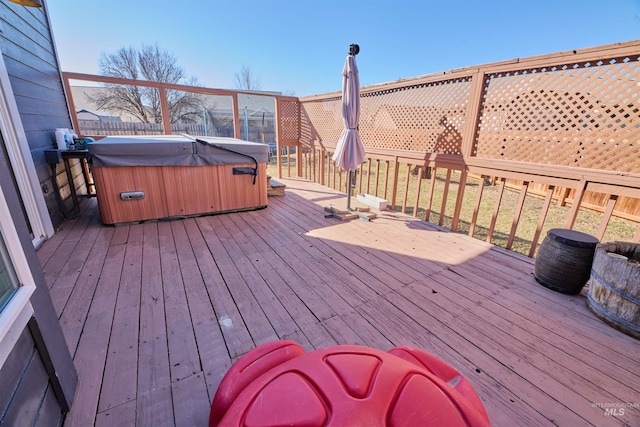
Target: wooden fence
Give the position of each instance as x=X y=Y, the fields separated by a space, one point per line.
x=96 y=128
x=563 y=126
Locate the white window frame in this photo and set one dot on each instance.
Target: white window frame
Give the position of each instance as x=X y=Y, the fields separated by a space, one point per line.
x=18 y=310
x=21 y=161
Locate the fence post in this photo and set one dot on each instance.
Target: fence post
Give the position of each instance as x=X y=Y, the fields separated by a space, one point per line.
x=394 y=190
x=459 y=200
x=575 y=205
x=236 y=117
x=473 y=114
x=164 y=110
x=321 y=166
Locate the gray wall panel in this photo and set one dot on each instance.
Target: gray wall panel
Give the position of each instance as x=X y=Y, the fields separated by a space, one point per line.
x=29 y=54
x=27 y=47
x=26 y=396
x=14 y=367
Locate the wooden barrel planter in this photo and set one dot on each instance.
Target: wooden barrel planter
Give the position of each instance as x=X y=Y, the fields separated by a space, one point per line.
x=614 y=286
x=563 y=262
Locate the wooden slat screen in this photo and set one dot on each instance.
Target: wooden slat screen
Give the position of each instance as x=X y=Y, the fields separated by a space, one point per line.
x=580 y=114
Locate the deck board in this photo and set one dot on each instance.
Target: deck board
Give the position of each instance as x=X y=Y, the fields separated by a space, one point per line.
x=209 y=339
x=154 y=383
x=237 y=339
x=121 y=368
x=76 y=309
x=221 y=244
x=183 y=352
x=472 y=362
x=467 y=323
x=156 y=313
x=91 y=354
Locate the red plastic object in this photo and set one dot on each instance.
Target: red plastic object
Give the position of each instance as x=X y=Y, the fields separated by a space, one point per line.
x=278 y=384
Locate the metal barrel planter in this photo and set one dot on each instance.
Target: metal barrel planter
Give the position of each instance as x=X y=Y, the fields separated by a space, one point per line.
x=614 y=286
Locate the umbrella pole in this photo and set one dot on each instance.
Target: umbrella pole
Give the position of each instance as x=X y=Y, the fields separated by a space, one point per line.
x=349 y=191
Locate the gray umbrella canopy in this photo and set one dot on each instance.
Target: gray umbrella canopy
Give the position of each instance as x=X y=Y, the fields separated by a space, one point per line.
x=349 y=151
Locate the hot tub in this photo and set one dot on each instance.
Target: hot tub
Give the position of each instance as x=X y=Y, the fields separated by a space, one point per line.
x=152 y=177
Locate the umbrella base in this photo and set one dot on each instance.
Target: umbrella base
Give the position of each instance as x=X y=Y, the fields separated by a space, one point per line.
x=349 y=214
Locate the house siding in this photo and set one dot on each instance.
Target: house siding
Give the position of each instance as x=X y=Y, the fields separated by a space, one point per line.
x=26 y=395
x=27 y=46
x=38 y=380
x=39 y=367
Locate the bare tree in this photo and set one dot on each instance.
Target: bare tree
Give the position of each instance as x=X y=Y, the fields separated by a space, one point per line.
x=246 y=79
x=152 y=64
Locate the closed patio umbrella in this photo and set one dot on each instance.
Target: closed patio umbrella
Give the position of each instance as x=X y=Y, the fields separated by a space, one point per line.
x=349 y=150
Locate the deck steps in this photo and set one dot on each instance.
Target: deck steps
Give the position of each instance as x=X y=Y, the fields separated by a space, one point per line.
x=275 y=188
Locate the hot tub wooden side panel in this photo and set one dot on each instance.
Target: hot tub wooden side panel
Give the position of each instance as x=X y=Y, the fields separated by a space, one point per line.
x=208 y=189
x=191 y=190
x=112 y=181
x=176 y=191
x=237 y=192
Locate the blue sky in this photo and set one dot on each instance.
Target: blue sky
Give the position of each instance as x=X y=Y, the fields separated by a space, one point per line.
x=298 y=46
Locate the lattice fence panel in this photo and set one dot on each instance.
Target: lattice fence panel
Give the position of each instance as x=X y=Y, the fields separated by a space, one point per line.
x=288 y=121
x=577 y=114
x=321 y=121
x=427 y=117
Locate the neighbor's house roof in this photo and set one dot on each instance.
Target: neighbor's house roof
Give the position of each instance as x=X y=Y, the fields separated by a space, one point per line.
x=82 y=102
x=90 y=115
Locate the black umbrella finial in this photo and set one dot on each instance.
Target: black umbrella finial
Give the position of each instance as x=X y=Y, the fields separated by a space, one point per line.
x=354 y=49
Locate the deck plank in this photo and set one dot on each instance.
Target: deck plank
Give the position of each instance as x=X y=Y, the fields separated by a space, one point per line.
x=349 y=268
x=211 y=346
x=63 y=270
x=183 y=350
x=254 y=317
x=119 y=385
x=277 y=276
x=277 y=315
x=154 y=381
x=123 y=415
x=190 y=401
x=159 y=311
x=74 y=313
x=92 y=349
x=64 y=233
x=283 y=262
x=309 y=218
x=565 y=315
x=237 y=338
x=530 y=328
x=482 y=328
x=481 y=370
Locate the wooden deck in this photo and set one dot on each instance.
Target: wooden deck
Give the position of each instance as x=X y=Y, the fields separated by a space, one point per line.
x=155 y=313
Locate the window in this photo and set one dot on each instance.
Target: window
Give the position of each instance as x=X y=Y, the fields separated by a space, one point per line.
x=16 y=283
x=8 y=279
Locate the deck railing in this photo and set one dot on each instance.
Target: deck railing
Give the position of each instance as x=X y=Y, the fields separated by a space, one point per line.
x=222 y=111
x=564 y=126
